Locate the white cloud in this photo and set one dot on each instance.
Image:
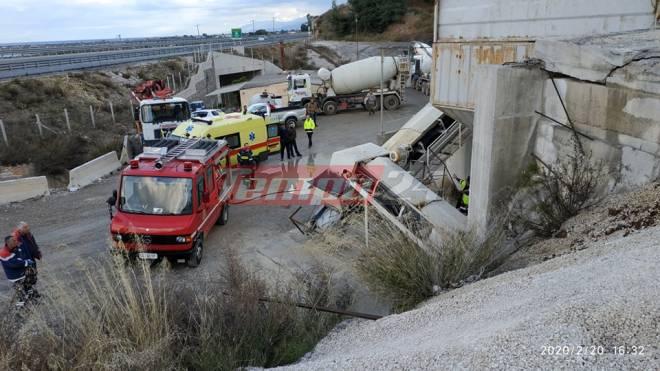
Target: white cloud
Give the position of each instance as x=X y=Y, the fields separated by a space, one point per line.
x=46 y=20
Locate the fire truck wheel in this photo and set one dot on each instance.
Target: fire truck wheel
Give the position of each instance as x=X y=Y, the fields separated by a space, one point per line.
x=196 y=255
x=224 y=215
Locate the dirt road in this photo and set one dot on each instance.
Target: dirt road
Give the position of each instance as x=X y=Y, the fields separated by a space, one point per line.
x=72 y=227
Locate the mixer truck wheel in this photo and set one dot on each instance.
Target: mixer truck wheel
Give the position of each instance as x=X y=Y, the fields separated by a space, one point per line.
x=330 y=107
x=291 y=120
x=391 y=102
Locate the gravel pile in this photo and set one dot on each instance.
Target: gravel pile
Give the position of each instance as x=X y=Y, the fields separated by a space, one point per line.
x=585 y=305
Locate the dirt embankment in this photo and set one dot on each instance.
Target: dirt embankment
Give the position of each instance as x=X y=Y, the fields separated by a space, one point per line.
x=56 y=148
x=588 y=299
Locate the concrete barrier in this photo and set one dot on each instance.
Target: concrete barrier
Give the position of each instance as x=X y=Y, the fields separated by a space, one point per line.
x=87 y=173
x=23 y=189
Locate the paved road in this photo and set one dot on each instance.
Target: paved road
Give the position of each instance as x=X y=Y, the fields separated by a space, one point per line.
x=45 y=64
x=73 y=227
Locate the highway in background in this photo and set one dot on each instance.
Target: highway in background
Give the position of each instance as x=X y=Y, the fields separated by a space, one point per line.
x=39 y=59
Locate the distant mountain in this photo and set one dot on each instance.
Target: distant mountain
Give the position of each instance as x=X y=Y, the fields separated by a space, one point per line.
x=293 y=24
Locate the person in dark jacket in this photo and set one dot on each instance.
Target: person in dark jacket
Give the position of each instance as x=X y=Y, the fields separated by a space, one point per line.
x=291 y=131
x=26 y=239
x=284 y=142
x=19 y=268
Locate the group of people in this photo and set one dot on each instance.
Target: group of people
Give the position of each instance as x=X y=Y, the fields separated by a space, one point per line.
x=18 y=258
x=288 y=142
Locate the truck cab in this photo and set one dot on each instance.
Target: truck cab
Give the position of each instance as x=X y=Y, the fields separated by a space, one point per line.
x=285 y=115
x=158 y=117
x=168 y=199
x=299 y=89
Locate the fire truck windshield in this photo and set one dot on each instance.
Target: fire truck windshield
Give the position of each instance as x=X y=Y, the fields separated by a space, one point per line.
x=156 y=195
x=165 y=112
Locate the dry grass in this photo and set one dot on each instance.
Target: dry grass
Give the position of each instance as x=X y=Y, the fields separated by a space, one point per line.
x=396 y=268
x=57 y=151
x=125 y=317
x=559 y=192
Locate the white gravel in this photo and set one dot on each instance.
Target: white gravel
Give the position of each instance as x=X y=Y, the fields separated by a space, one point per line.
x=607 y=295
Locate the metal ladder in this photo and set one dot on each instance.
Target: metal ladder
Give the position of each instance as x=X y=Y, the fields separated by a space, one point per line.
x=404 y=72
x=178 y=151
x=432 y=160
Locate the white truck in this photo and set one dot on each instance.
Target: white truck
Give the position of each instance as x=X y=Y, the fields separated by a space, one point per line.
x=347 y=86
x=421 y=71
x=157 y=117
x=286 y=115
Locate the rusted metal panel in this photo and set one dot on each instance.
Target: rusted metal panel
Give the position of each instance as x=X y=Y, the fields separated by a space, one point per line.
x=455 y=65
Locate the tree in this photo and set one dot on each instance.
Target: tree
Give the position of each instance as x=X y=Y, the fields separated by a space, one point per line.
x=261 y=32
x=304 y=27
x=375 y=15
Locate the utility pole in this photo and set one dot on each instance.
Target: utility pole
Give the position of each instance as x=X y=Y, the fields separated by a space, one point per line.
x=357 y=48
x=382 y=61
x=273 y=24
x=198 y=34
x=253 y=26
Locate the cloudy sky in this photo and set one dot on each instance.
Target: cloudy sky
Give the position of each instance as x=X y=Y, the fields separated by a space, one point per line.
x=48 y=20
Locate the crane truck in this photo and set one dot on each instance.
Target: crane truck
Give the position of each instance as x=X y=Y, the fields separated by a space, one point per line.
x=347 y=86
x=158 y=112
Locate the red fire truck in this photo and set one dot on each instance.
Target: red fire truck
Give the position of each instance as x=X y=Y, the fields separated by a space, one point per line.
x=169 y=198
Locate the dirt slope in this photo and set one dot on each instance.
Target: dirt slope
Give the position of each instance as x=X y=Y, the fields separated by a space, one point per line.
x=605 y=296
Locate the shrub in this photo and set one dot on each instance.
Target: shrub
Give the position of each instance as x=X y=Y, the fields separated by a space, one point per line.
x=126 y=317
x=560 y=191
x=397 y=268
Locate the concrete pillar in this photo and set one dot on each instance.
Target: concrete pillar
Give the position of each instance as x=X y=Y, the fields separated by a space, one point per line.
x=504 y=126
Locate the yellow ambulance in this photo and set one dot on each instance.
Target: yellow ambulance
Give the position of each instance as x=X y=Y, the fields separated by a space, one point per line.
x=237 y=129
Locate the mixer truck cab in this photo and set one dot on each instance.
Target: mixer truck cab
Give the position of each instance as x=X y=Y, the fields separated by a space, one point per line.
x=236 y=129
x=158 y=117
x=169 y=198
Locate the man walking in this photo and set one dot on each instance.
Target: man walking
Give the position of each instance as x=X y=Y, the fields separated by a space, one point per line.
x=19 y=269
x=291 y=132
x=370 y=102
x=309 y=127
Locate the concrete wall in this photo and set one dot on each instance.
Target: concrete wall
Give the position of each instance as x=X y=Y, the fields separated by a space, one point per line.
x=88 y=172
x=624 y=123
x=504 y=126
x=23 y=189
x=277 y=89
x=479 y=19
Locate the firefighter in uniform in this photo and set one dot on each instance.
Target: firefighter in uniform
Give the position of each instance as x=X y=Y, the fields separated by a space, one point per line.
x=246 y=160
x=464 y=197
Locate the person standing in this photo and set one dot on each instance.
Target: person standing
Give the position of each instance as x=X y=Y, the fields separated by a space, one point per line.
x=26 y=240
x=284 y=141
x=291 y=131
x=309 y=127
x=370 y=102
x=312 y=109
x=19 y=269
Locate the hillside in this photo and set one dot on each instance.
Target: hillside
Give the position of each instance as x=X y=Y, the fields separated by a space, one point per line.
x=590 y=293
x=414 y=23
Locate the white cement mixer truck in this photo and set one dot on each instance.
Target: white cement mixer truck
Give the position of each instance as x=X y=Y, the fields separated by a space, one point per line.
x=347 y=86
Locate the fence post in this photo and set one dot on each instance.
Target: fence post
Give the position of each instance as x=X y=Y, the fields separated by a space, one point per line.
x=112 y=112
x=41 y=132
x=180 y=80
x=4 y=133
x=91 y=114
x=173 y=83
x=66 y=117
